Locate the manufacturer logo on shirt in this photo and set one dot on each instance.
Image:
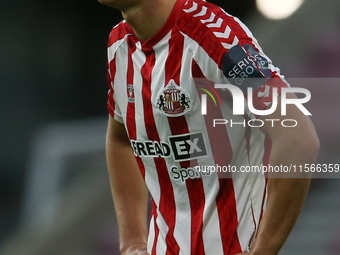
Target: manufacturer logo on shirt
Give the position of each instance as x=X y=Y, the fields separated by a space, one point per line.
x=131 y=93
x=181 y=147
x=173 y=101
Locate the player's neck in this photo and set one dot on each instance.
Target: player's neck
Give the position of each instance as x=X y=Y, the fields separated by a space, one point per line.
x=148 y=17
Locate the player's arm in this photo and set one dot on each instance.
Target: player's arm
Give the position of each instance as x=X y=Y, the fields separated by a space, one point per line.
x=290 y=145
x=129 y=191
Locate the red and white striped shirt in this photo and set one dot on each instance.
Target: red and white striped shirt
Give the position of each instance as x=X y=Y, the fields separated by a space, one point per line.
x=153 y=92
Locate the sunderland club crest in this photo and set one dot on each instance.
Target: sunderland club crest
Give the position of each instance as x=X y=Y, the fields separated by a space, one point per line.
x=173 y=101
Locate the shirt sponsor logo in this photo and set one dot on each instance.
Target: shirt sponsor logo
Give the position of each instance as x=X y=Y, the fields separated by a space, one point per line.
x=151 y=149
x=180 y=147
x=183 y=174
x=188 y=146
x=173 y=101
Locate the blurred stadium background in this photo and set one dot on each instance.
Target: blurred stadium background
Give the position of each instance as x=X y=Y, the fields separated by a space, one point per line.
x=54 y=189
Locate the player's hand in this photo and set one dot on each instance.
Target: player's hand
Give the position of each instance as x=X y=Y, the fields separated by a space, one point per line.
x=136 y=249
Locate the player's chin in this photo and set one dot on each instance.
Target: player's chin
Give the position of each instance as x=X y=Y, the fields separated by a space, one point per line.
x=121 y=5
x=111 y=3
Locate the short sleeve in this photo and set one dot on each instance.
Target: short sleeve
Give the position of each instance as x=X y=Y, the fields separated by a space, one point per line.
x=112 y=107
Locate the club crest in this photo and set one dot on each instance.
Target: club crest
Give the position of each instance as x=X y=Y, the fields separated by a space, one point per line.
x=173 y=101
